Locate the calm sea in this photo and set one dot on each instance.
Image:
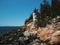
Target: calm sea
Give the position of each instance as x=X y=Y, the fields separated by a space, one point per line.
x=4 y=29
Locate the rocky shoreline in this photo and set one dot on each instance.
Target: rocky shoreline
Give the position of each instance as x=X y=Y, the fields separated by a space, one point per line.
x=50 y=35
x=17 y=37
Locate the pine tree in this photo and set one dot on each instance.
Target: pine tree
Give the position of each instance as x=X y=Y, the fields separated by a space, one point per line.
x=30 y=19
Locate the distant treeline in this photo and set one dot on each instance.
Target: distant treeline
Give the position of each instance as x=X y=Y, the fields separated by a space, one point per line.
x=46 y=13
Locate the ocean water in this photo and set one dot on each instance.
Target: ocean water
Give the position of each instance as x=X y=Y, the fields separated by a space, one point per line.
x=4 y=29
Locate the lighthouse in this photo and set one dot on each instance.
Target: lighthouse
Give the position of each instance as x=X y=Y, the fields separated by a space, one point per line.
x=34 y=17
x=35 y=13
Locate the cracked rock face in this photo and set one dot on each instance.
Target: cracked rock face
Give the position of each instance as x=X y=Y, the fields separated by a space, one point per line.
x=32 y=36
x=50 y=33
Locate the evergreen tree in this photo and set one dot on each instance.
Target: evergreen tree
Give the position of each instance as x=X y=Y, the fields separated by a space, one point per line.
x=47 y=13
x=30 y=19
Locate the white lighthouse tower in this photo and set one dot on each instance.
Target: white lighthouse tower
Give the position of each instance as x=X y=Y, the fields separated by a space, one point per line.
x=34 y=17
